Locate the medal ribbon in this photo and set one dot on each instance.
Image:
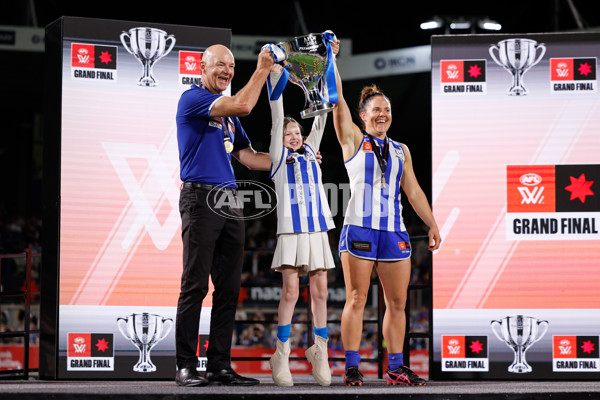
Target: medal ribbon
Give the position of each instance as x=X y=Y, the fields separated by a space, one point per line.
x=275 y=93
x=382 y=155
x=223 y=120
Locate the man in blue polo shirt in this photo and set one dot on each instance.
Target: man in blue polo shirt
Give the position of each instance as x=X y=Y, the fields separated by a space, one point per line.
x=208 y=134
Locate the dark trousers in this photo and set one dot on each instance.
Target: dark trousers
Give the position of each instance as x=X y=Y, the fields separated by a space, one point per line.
x=213 y=245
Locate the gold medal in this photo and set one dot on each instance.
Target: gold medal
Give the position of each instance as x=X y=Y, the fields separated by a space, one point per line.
x=228 y=146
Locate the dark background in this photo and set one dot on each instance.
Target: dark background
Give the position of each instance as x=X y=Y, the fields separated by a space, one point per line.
x=372 y=27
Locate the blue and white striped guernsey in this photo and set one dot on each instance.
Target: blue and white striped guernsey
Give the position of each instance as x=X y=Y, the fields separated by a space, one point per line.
x=301 y=201
x=373 y=204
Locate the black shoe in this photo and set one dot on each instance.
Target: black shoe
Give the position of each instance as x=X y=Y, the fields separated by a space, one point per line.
x=229 y=377
x=403 y=376
x=353 y=377
x=189 y=377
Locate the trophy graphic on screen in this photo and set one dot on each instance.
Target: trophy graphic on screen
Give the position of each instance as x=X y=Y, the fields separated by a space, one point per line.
x=148 y=45
x=309 y=57
x=517 y=56
x=519 y=332
x=144 y=331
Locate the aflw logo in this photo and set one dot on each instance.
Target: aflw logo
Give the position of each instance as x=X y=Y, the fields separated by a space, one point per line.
x=189 y=63
x=79 y=345
x=565 y=349
x=83 y=56
x=453 y=347
x=452 y=72
x=562 y=70
x=532 y=196
x=530 y=188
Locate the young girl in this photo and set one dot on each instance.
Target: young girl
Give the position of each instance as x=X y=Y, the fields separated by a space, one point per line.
x=303 y=219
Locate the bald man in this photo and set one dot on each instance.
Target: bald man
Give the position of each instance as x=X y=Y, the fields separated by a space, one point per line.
x=208 y=134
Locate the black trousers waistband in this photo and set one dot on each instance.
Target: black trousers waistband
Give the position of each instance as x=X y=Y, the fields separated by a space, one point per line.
x=207 y=186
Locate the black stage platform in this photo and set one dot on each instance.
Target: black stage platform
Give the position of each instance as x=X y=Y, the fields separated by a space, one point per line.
x=305 y=389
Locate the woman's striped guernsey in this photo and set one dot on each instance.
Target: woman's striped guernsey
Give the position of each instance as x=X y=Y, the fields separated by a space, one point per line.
x=374 y=204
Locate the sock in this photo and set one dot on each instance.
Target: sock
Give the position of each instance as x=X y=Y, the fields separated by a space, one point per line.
x=320 y=332
x=352 y=359
x=283 y=332
x=395 y=360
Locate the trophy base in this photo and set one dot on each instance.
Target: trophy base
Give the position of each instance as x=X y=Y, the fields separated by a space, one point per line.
x=144 y=367
x=315 y=110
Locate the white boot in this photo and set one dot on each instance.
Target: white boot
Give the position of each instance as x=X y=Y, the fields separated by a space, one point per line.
x=318 y=357
x=280 y=364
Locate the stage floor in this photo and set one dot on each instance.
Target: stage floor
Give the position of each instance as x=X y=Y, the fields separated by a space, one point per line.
x=304 y=388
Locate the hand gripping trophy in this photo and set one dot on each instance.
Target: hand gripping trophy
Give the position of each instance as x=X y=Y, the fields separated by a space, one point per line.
x=310 y=66
x=144 y=331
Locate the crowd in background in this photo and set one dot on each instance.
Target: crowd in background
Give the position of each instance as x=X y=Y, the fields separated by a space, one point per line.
x=18 y=233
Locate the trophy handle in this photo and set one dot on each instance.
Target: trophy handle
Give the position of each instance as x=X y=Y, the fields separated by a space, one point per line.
x=543 y=325
x=538 y=59
x=495 y=324
x=166 y=321
x=172 y=38
x=121 y=324
x=125 y=35
x=491 y=50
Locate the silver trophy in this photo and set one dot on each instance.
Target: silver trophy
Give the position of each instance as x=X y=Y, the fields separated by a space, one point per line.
x=517 y=56
x=308 y=57
x=144 y=331
x=148 y=45
x=519 y=332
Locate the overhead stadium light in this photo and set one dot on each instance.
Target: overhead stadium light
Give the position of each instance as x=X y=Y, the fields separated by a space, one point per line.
x=434 y=23
x=488 y=25
x=461 y=24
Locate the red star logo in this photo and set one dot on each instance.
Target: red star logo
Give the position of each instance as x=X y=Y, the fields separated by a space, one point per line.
x=476 y=347
x=105 y=57
x=580 y=188
x=585 y=69
x=102 y=345
x=588 y=347
x=474 y=71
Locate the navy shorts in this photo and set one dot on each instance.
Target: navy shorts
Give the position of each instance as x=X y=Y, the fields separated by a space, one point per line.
x=373 y=244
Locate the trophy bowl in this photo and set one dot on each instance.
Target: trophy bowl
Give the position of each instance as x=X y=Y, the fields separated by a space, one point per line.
x=308 y=57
